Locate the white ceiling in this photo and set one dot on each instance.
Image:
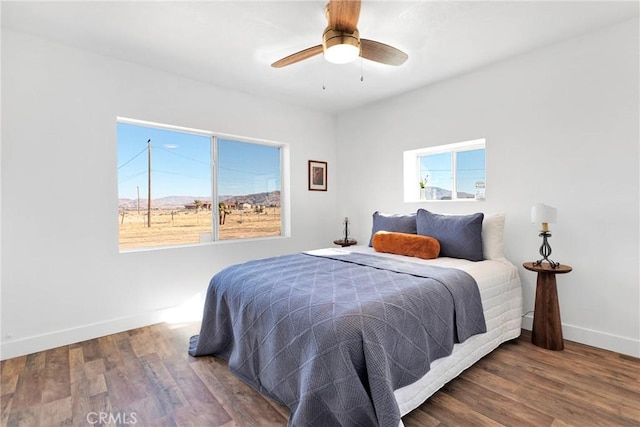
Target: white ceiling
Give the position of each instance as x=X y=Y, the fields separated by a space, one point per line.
x=232 y=43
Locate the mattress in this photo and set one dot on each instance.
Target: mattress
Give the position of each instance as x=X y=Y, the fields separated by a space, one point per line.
x=501 y=294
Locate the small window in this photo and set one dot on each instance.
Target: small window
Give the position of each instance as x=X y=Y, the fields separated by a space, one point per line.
x=445 y=172
x=182 y=187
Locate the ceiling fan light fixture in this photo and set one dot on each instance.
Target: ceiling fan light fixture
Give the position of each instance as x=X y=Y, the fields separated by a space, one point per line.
x=342 y=53
x=340 y=47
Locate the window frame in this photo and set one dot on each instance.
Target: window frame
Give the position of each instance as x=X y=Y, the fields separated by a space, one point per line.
x=284 y=150
x=412 y=174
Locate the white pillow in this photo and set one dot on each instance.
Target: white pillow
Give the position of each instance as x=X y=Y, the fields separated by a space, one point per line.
x=493 y=235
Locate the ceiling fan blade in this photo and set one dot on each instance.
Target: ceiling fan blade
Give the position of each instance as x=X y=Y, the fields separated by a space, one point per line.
x=380 y=52
x=343 y=15
x=298 y=56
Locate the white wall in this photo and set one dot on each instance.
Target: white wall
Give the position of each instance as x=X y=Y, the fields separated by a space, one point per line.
x=63 y=279
x=562 y=127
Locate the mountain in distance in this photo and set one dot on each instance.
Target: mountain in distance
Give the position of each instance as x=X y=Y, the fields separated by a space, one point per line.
x=271 y=198
x=437 y=193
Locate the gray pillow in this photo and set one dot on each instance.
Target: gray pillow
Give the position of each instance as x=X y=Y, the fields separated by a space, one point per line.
x=397 y=223
x=460 y=236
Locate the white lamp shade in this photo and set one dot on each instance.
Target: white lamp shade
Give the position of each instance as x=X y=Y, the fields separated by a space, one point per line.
x=541 y=213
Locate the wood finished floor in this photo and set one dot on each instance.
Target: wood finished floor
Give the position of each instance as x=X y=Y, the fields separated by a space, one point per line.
x=144 y=377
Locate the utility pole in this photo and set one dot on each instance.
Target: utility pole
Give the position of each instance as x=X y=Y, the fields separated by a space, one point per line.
x=149 y=184
x=138 y=204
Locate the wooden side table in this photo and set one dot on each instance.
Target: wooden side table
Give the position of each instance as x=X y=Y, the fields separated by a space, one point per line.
x=547 y=327
x=345 y=243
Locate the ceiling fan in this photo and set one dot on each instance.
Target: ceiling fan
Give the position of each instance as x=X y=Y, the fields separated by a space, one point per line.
x=341 y=42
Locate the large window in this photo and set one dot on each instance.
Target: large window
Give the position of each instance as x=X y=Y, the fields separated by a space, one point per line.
x=178 y=187
x=446 y=172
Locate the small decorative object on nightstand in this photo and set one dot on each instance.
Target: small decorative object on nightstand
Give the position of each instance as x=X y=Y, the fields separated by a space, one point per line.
x=547 y=327
x=345 y=240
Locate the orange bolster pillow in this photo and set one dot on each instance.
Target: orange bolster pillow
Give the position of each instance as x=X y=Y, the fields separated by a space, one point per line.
x=415 y=245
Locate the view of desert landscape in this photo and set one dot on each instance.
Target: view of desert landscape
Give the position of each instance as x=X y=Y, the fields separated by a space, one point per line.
x=184 y=226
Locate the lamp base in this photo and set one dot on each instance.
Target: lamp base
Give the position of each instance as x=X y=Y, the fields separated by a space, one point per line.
x=545 y=251
x=552 y=264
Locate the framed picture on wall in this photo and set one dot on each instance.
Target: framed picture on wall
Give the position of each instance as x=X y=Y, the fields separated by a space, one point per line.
x=317 y=175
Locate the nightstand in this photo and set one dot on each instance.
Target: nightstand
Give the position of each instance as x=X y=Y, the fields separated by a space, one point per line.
x=547 y=327
x=345 y=243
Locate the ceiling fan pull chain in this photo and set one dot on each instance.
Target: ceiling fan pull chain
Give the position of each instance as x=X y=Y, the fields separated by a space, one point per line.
x=323 y=68
x=361 y=73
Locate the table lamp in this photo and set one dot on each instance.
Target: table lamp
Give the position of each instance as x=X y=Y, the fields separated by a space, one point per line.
x=541 y=213
x=345 y=240
x=346 y=229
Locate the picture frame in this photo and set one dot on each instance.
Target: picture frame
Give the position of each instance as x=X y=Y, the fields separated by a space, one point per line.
x=317 y=175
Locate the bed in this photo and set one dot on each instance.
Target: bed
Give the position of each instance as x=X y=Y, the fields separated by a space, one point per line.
x=290 y=327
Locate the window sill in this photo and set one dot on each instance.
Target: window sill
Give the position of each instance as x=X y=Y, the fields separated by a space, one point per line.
x=441 y=201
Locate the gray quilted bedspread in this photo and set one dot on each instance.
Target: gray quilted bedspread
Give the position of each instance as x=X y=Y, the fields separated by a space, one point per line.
x=333 y=337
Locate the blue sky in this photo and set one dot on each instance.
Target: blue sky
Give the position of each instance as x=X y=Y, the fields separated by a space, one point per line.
x=247 y=168
x=181 y=164
x=470 y=165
